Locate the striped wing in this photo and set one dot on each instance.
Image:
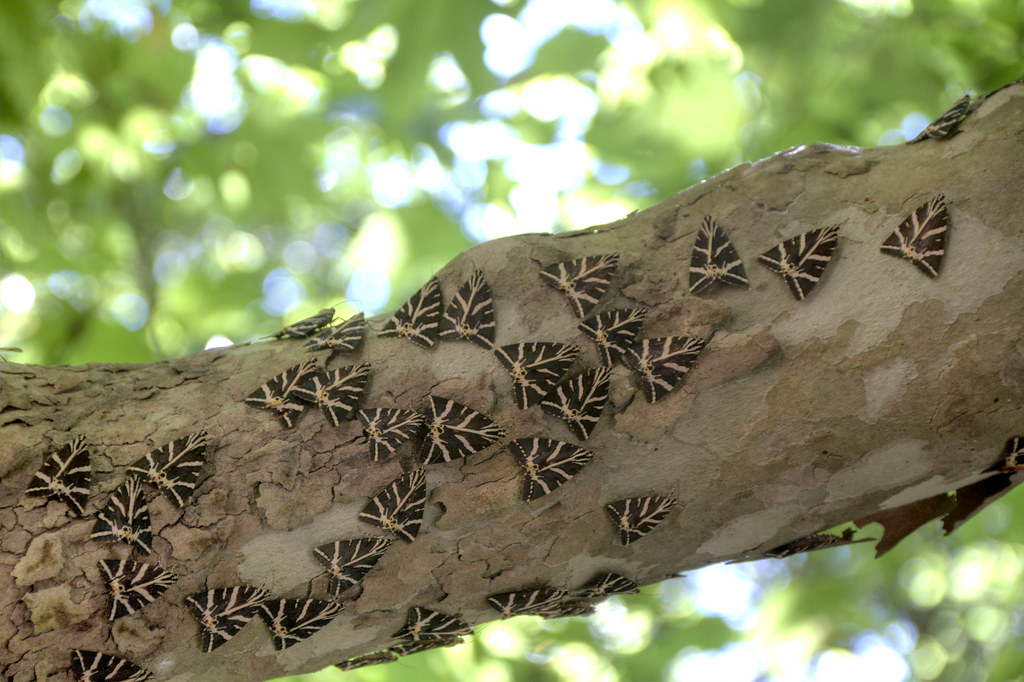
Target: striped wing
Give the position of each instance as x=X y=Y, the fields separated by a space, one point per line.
x=225 y=611
x=946 y=124
x=582 y=280
x=548 y=463
x=526 y=602
x=425 y=625
x=662 y=363
x=349 y=560
x=535 y=368
x=134 y=584
x=65 y=476
x=454 y=431
x=126 y=517
x=802 y=259
x=921 y=238
x=399 y=506
x=714 y=259
x=635 y=517
x=336 y=391
x=341 y=337
x=470 y=315
x=293 y=620
x=614 y=331
x=92 y=666
x=418 y=319
x=278 y=394
x=580 y=401
x=306 y=327
x=174 y=468
x=605 y=585
x=387 y=428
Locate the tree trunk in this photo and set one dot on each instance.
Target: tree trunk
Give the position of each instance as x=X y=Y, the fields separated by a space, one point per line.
x=884 y=387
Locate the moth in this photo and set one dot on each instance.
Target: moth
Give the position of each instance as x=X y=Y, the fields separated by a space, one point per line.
x=526 y=602
x=305 y=327
x=946 y=124
x=387 y=428
x=336 y=391
x=425 y=645
x=278 y=393
x=813 y=542
x=454 y=431
x=1012 y=460
x=921 y=238
x=224 y=611
x=548 y=463
x=293 y=620
x=92 y=666
x=582 y=280
x=662 y=363
x=566 y=609
x=614 y=331
x=606 y=585
x=802 y=259
x=126 y=517
x=535 y=367
x=349 y=560
x=635 y=517
x=399 y=506
x=65 y=476
x=418 y=318
x=375 y=658
x=580 y=401
x=470 y=315
x=714 y=259
x=424 y=624
x=341 y=337
x=133 y=585
x=174 y=468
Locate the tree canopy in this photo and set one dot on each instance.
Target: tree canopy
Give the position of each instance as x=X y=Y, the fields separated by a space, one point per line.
x=181 y=175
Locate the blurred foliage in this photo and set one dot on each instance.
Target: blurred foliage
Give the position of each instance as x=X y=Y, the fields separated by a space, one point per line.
x=176 y=175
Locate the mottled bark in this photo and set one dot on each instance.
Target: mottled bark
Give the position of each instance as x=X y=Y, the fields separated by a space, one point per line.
x=884 y=388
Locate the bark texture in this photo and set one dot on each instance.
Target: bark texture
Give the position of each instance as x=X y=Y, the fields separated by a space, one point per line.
x=884 y=388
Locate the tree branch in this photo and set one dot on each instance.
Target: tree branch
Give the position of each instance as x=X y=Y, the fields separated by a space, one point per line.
x=883 y=388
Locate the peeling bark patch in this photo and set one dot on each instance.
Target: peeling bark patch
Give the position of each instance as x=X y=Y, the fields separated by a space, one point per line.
x=884 y=386
x=750 y=531
x=44 y=559
x=895 y=464
x=973 y=498
x=286 y=509
x=53 y=608
x=900 y=522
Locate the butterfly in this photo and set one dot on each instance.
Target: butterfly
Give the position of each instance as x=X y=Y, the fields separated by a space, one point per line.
x=293 y=620
x=947 y=123
x=399 y=506
x=174 y=468
x=470 y=315
x=454 y=431
x=582 y=280
x=126 y=517
x=662 y=363
x=921 y=238
x=92 y=666
x=635 y=517
x=278 y=394
x=580 y=401
x=714 y=259
x=535 y=368
x=614 y=331
x=387 y=428
x=65 y=476
x=548 y=463
x=134 y=584
x=418 y=318
x=802 y=259
x=225 y=611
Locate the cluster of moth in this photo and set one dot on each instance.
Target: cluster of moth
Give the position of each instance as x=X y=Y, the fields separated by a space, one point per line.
x=447 y=430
